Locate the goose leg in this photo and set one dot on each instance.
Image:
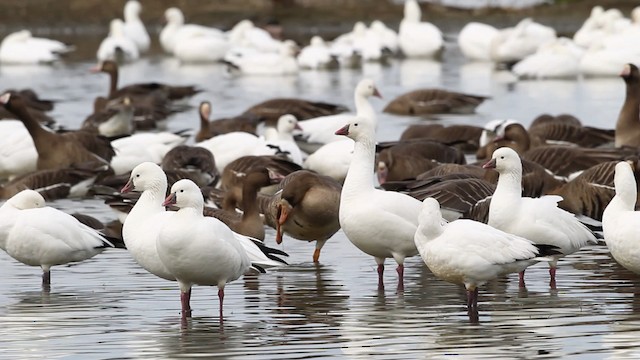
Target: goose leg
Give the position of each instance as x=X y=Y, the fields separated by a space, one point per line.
x=380 y=262
x=221 y=299
x=46 y=279
x=552 y=274
x=185 y=299
x=521 y=279
x=400 y=271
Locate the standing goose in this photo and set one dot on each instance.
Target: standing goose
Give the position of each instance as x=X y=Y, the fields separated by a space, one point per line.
x=77 y=148
x=305 y=208
x=537 y=219
x=134 y=27
x=203 y=250
x=380 y=223
x=39 y=235
x=620 y=220
x=468 y=252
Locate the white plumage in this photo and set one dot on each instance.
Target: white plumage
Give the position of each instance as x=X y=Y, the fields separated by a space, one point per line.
x=117 y=46
x=21 y=47
x=418 y=39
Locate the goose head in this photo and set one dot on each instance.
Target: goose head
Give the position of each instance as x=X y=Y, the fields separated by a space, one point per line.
x=412 y=11
x=26 y=199
x=359 y=129
x=116 y=28
x=367 y=88
x=146 y=176
x=173 y=16
x=625 y=183
x=185 y=193
x=630 y=73
x=430 y=219
x=505 y=160
x=132 y=10
x=316 y=41
x=287 y=123
x=205 y=110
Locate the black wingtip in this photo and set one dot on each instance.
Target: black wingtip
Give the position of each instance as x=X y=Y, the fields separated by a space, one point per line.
x=548 y=250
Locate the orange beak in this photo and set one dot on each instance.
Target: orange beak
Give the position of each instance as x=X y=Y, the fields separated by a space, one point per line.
x=283 y=214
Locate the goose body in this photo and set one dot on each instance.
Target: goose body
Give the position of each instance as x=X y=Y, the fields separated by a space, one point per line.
x=38 y=235
x=22 y=48
x=176 y=31
x=620 y=220
x=134 y=28
x=117 y=46
x=418 y=39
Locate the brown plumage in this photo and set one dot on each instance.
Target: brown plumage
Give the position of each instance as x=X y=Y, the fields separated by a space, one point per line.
x=80 y=149
x=235 y=172
x=208 y=129
x=464 y=137
x=249 y=222
x=407 y=159
x=111 y=119
x=271 y=110
x=33 y=101
x=590 y=192
x=52 y=184
x=306 y=208
x=628 y=123
x=434 y=101
x=190 y=162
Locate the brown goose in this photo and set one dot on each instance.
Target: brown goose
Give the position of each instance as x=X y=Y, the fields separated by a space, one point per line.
x=464 y=137
x=142 y=89
x=590 y=192
x=628 y=124
x=566 y=160
x=234 y=174
x=272 y=110
x=190 y=162
x=208 y=129
x=306 y=208
x=248 y=223
x=80 y=149
x=405 y=160
x=33 y=101
x=434 y=101
x=51 y=184
x=113 y=119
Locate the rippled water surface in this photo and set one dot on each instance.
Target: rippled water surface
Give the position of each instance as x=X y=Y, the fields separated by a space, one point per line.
x=109 y=307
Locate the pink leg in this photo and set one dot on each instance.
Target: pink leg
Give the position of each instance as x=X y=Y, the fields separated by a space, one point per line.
x=185 y=299
x=469 y=299
x=221 y=298
x=380 y=276
x=400 y=271
x=552 y=274
x=521 y=277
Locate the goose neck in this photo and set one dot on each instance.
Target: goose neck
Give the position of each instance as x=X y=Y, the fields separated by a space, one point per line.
x=360 y=174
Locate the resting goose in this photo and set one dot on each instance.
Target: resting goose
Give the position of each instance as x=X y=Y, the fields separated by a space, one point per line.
x=117 y=46
x=305 y=208
x=628 y=125
x=176 y=32
x=434 y=101
x=407 y=159
x=113 y=119
x=418 y=39
x=271 y=110
x=281 y=138
x=282 y=62
x=464 y=137
x=190 y=162
x=537 y=219
x=52 y=183
x=379 y=223
x=589 y=193
x=80 y=148
x=246 y=122
x=134 y=27
x=475 y=41
x=316 y=55
x=620 y=220
x=470 y=253
x=140 y=147
x=39 y=235
x=21 y=47
x=216 y=254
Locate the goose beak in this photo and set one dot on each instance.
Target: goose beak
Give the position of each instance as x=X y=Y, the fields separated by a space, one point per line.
x=343 y=130
x=376 y=93
x=127 y=187
x=95 y=69
x=170 y=200
x=490 y=165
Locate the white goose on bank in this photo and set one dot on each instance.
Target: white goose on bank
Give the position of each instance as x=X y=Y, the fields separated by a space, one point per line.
x=134 y=27
x=380 y=223
x=537 y=219
x=203 y=250
x=39 y=235
x=21 y=47
x=117 y=46
x=620 y=220
x=418 y=39
x=468 y=252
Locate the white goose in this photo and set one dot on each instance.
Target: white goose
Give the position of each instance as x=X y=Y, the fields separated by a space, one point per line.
x=418 y=39
x=557 y=59
x=468 y=252
x=134 y=27
x=203 y=250
x=142 y=226
x=537 y=219
x=176 y=31
x=21 y=47
x=620 y=220
x=316 y=55
x=39 y=235
x=117 y=46
x=282 y=139
x=258 y=62
x=380 y=223
x=475 y=41
x=514 y=44
x=332 y=159
x=137 y=148
x=18 y=154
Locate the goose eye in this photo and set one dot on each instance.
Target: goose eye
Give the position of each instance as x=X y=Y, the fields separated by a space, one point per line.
x=137 y=175
x=501 y=157
x=181 y=191
x=356 y=124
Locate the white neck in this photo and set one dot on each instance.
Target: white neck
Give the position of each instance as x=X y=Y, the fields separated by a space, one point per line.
x=360 y=174
x=364 y=108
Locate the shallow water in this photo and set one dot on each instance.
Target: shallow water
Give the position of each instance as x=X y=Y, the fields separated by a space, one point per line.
x=109 y=307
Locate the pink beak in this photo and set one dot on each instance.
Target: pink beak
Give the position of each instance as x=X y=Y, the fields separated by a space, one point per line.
x=343 y=130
